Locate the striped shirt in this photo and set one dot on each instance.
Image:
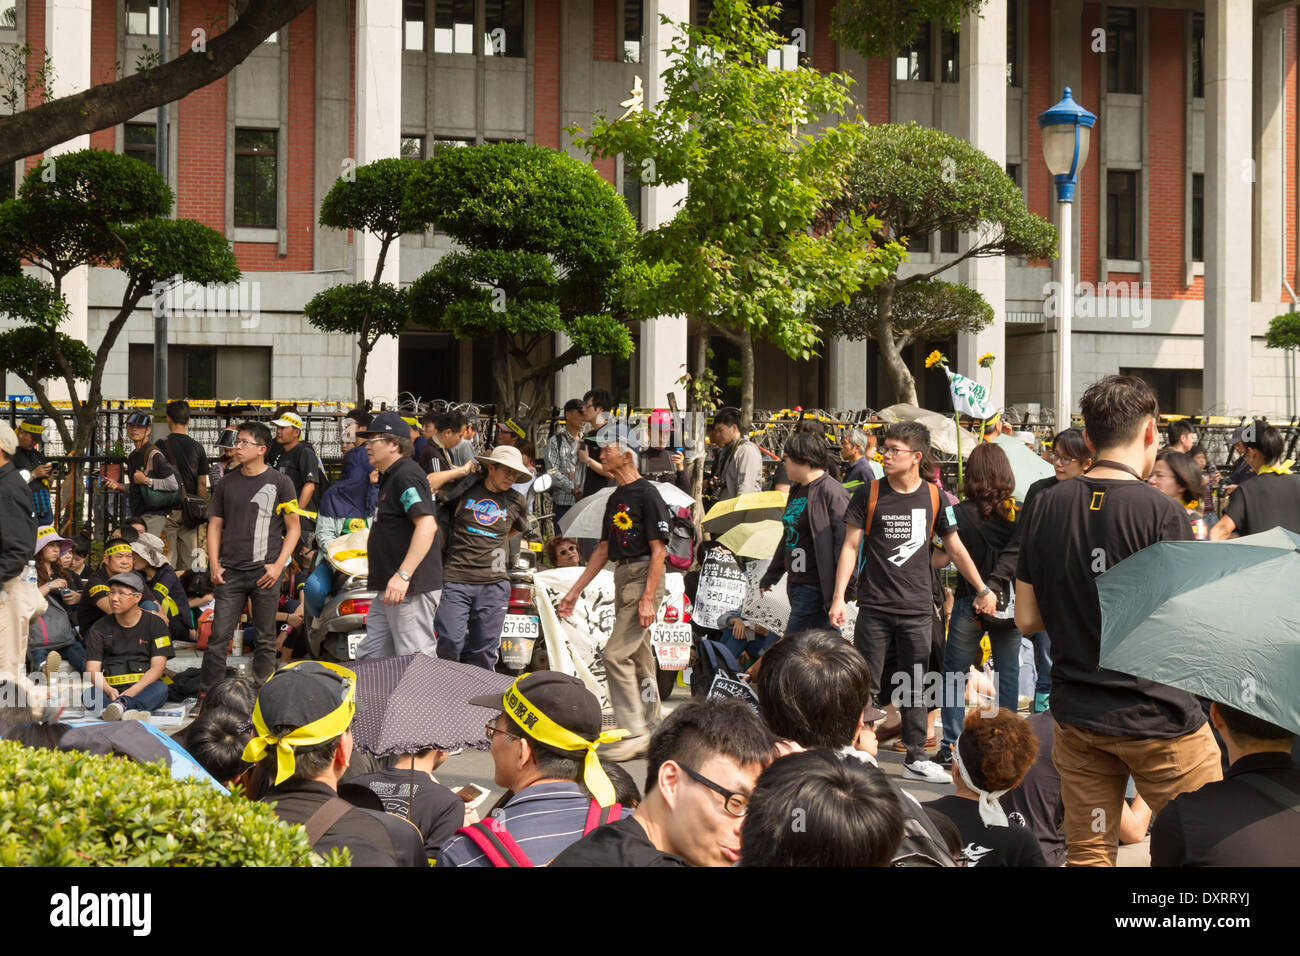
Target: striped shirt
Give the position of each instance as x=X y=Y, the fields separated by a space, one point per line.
x=543 y=819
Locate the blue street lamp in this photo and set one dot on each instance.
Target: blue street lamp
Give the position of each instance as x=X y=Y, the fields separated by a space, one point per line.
x=1067 y=128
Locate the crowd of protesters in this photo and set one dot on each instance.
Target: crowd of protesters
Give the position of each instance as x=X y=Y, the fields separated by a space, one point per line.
x=793 y=779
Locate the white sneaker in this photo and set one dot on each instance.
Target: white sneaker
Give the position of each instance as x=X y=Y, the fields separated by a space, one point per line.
x=926 y=770
x=113 y=711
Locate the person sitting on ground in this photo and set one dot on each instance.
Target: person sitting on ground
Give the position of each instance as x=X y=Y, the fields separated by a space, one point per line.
x=52 y=637
x=150 y=562
x=73 y=563
x=703 y=763
x=563 y=553
x=127 y=653
x=820 y=808
x=94 y=604
x=303 y=720
x=216 y=740
x=543 y=738
x=1176 y=476
x=409 y=789
x=992 y=756
x=1272 y=498
x=1246 y=819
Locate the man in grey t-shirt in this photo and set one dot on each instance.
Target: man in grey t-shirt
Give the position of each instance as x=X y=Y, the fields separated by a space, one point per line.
x=252 y=531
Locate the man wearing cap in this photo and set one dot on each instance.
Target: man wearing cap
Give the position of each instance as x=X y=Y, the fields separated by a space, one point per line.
x=163 y=586
x=19 y=599
x=635 y=529
x=475 y=570
x=127 y=652
x=252 y=532
x=303 y=720
x=297 y=459
x=562 y=460
x=402 y=560
x=544 y=741
x=146 y=465
x=28 y=458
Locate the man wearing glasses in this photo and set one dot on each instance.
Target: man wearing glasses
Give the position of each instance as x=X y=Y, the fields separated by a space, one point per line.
x=894 y=519
x=704 y=762
x=252 y=531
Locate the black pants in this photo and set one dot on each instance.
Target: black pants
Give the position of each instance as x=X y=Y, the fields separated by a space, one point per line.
x=910 y=636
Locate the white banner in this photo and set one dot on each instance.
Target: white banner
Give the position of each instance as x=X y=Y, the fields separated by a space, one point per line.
x=968 y=396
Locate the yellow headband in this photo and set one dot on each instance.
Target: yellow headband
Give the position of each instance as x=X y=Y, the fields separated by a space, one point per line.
x=32 y=428
x=510 y=424
x=113 y=549
x=326 y=728
x=541 y=728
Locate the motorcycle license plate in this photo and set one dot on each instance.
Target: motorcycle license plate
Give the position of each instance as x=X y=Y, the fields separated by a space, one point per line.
x=517 y=652
x=672 y=644
x=354 y=641
x=521 y=625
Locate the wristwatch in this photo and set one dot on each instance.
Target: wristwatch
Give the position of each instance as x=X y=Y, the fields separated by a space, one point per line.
x=987 y=590
x=404 y=576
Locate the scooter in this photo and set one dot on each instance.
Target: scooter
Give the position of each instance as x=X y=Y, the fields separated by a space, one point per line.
x=340 y=628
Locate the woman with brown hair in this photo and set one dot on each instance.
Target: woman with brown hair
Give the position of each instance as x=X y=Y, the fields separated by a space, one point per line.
x=1177 y=475
x=986 y=526
x=993 y=754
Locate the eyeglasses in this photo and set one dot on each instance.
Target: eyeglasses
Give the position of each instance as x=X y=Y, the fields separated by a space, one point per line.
x=569 y=550
x=890 y=451
x=245 y=441
x=736 y=804
x=491 y=730
x=1063 y=461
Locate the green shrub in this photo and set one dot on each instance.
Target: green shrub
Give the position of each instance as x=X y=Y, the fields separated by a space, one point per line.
x=71 y=808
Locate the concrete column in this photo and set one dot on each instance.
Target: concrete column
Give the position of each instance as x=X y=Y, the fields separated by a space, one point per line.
x=67 y=38
x=663 y=350
x=378 y=136
x=984 y=125
x=1270 y=175
x=1228 y=164
x=574 y=380
x=846 y=374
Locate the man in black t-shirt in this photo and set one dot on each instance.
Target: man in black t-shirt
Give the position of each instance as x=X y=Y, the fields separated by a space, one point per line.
x=127 y=652
x=252 y=532
x=1108 y=725
x=1272 y=498
x=595 y=411
x=299 y=460
x=190 y=462
x=95 y=599
x=403 y=560
x=409 y=789
x=633 y=536
x=146 y=465
x=893 y=519
x=476 y=571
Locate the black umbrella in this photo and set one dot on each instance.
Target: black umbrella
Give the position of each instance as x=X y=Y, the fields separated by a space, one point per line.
x=412 y=703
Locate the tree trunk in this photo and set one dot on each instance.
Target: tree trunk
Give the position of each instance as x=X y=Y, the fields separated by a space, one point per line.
x=363 y=358
x=503 y=379
x=693 y=404
x=746 y=380
x=900 y=378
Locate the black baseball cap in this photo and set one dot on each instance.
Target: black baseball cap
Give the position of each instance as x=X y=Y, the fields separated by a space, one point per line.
x=561 y=697
x=301 y=695
x=387 y=423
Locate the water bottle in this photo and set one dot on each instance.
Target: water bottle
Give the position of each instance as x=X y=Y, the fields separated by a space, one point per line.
x=30 y=575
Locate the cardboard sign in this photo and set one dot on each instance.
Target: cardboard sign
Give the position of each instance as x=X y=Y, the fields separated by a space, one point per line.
x=721 y=592
x=724 y=688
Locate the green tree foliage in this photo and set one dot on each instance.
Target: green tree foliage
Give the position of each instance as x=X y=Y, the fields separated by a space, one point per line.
x=922 y=311
x=68 y=808
x=916 y=180
x=1283 y=331
x=370 y=199
x=94 y=208
x=883 y=27
x=748 y=254
x=547 y=247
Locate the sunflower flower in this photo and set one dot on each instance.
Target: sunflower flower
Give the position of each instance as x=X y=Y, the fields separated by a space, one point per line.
x=987 y=360
x=622 y=521
x=934 y=358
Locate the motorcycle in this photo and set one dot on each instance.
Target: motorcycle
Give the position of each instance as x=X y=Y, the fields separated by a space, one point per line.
x=340 y=628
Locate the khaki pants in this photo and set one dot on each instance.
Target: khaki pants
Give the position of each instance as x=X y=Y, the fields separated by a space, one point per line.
x=181 y=542
x=630 y=671
x=154 y=523
x=1095 y=769
x=19 y=603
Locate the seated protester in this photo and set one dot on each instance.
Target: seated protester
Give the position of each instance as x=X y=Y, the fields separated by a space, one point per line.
x=234 y=694
x=72 y=565
x=540 y=757
x=563 y=553
x=52 y=636
x=349 y=504
x=150 y=562
x=847 y=815
x=1245 y=819
x=127 y=652
x=626 y=793
x=303 y=720
x=94 y=604
x=703 y=763
x=992 y=756
x=216 y=740
x=409 y=789
x=198 y=588
x=948 y=830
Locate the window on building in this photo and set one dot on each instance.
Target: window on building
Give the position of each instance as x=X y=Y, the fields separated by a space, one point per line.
x=140 y=141
x=413 y=147
x=240 y=7
x=142 y=17
x=256 y=202
x=453 y=26
x=1122 y=50
x=703 y=10
x=791 y=27
x=948 y=241
x=1198 y=55
x=633 y=30
x=8 y=15
x=913 y=61
x=1177 y=390
x=1013 y=170
x=950 y=55
x=440 y=144
x=919 y=243
x=632 y=190
x=1121 y=215
x=203 y=371
x=1013 y=42
x=503 y=28
x=413 y=14
x=1198 y=217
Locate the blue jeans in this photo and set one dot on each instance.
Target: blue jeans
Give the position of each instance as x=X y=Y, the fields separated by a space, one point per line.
x=1042 y=662
x=150 y=698
x=469 y=622
x=318 y=587
x=807 y=612
x=74 y=654
x=755 y=648
x=961 y=651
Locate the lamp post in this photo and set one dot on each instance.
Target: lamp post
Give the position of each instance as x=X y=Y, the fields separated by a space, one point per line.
x=1067 y=127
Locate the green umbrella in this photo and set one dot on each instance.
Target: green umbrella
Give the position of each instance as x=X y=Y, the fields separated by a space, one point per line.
x=1220 y=619
x=1025 y=465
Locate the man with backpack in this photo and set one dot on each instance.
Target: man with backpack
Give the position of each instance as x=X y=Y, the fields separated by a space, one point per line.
x=890 y=525
x=148 y=468
x=190 y=462
x=544 y=739
x=403 y=560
